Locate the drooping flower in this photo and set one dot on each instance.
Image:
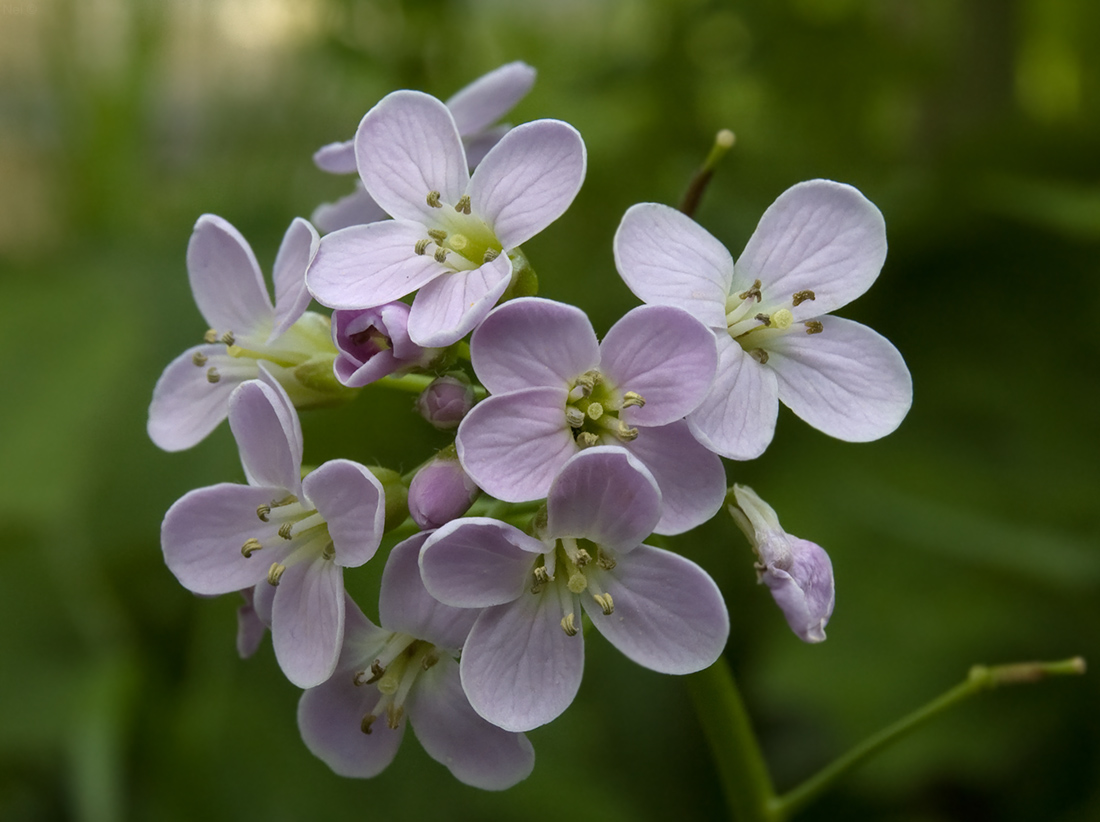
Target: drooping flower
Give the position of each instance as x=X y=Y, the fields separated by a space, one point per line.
x=245 y=329
x=797 y=572
x=452 y=233
x=374 y=342
x=475 y=108
x=293 y=535
x=522 y=663
x=354 y=722
x=818 y=246
x=556 y=390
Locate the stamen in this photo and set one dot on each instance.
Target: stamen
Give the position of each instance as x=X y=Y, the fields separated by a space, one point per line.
x=605 y=602
x=275 y=572
x=421 y=247
x=437 y=234
x=632 y=398
x=430 y=659
x=360 y=679
x=199 y=359
x=760 y=355
x=626 y=433
x=594 y=411
x=368 y=720
x=211 y=336
x=568 y=624
x=463 y=204
x=228 y=338
x=574 y=416
x=606 y=562
x=764 y=318
x=586 y=439
x=328 y=552
x=394 y=713
x=813 y=327
x=284 y=530
x=250 y=547
x=212 y=375
x=752 y=293
x=800 y=297
x=490 y=255
x=440 y=255
x=582 y=558
x=262 y=511
x=377 y=670
x=541 y=575
x=433 y=199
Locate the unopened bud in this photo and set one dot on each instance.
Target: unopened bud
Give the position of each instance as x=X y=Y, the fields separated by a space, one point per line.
x=445 y=402
x=373 y=343
x=440 y=492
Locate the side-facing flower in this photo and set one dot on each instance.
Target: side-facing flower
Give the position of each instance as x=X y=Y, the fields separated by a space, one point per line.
x=818 y=246
x=797 y=572
x=557 y=389
x=191 y=396
x=407 y=670
x=522 y=663
x=452 y=233
x=297 y=534
x=475 y=108
x=374 y=342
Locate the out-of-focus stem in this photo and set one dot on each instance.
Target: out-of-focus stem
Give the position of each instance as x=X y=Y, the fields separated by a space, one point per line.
x=723 y=142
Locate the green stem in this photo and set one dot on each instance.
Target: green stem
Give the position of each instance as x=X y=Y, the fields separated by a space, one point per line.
x=741 y=768
x=415 y=383
x=723 y=142
x=981 y=678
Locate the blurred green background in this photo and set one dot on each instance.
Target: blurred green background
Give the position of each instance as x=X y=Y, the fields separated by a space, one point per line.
x=970 y=535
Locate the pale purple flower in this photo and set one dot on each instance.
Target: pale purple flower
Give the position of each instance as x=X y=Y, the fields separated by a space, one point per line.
x=446 y=401
x=556 y=390
x=475 y=109
x=441 y=491
x=354 y=722
x=293 y=535
x=797 y=572
x=192 y=394
x=522 y=663
x=818 y=246
x=452 y=233
x=374 y=342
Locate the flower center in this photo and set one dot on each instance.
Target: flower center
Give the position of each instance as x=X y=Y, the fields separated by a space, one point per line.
x=593 y=407
x=302 y=535
x=307 y=338
x=459 y=239
x=753 y=321
x=574 y=567
x=394 y=671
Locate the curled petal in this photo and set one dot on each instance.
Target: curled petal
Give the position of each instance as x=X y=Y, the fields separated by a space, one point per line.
x=226 y=279
x=298 y=248
x=336 y=158
x=488 y=98
x=352 y=501
x=307 y=621
x=186 y=405
x=449 y=307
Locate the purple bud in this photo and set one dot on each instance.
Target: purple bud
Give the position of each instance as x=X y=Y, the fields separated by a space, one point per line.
x=797 y=572
x=374 y=342
x=445 y=402
x=440 y=492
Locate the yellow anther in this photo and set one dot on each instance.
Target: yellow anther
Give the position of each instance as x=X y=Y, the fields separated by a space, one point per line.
x=284 y=530
x=800 y=297
x=458 y=242
x=490 y=255
x=211 y=336
x=212 y=375
x=582 y=558
x=594 y=411
x=586 y=439
x=813 y=327
x=437 y=234
x=760 y=355
x=250 y=547
x=433 y=199
x=263 y=511
x=577 y=582
x=275 y=572
x=568 y=624
x=606 y=562
x=228 y=338
x=199 y=359
x=632 y=398
x=574 y=416
x=440 y=255
x=377 y=671
x=463 y=204
x=605 y=602
x=764 y=318
x=360 y=679
x=541 y=576
x=328 y=552
x=368 y=720
x=626 y=433
x=421 y=247
x=753 y=292
x=782 y=319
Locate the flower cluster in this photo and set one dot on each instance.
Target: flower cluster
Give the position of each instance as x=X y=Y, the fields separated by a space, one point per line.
x=569 y=451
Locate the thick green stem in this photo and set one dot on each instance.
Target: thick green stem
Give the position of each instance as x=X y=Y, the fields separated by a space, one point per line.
x=416 y=383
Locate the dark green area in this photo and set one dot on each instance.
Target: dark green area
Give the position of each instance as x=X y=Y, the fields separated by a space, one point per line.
x=970 y=535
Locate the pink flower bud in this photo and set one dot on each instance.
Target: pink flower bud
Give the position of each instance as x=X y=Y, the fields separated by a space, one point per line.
x=445 y=402
x=440 y=491
x=374 y=342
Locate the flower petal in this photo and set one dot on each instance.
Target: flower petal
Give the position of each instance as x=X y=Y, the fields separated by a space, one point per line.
x=666 y=258
x=268 y=435
x=476 y=752
x=669 y=615
x=847 y=381
x=737 y=416
x=482 y=143
x=513 y=445
x=186 y=406
x=226 y=279
x=488 y=98
x=478 y=562
x=250 y=628
x=528 y=180
x=405 y=606
x=298 y=248
x=357 y=208
x=367 y=265
x=817 y=235
x=336 y=158
x=531 y=342
x=449 y=307
x=307 y=621
x=519 y=668
x=664 y=354
x=407 y=146
x=691 y=477
x=605 y=495
x=352 y=501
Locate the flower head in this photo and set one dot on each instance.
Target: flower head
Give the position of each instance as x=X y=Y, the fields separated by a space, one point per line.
x=374 y=342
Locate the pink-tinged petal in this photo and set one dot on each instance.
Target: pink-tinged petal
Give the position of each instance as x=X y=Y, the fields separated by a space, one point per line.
x=406 y=147
x=336 y=158
x=604 y=495
x=363 y=640
x=531 y=342
x=450 y=307
x=664 y=354
x=528 y=180
x=186 y=406
x=368 y=265
x=352 y=501
x=357 y=208
x=203 y=532
x=691 y=477
x=286 y=410
x=737 y=416
x=298 y=249
x=307 y=621
x=405 y=606
x=225 y=278
x=513 y=445
x=482 y=143
x=519 y=668
x=478 y=562
x=669 y=615
x=330 y=718
x=847 y=381
x=488 y=98
x=250 y=628
x=666 y=258
x=263 y=601
x=819 y=235
x=268 y=435
x=476 y=752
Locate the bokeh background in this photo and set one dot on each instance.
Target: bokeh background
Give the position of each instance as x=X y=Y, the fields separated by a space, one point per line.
x=970 y=535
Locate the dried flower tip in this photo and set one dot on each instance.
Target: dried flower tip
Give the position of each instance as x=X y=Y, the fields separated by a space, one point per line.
x=437 y=234
x=211 y=336
x=752 y=293
x=760 y=355
x=212 y=375
x=463 y=204
x=607 y=605
x=433 y=199
x=421 y=247
x=632 y=399
x=228 y=338
x=568 y=624
x=490 y=255
x=800 y=297
x=367 y=721
x=574 y=416
x=250 y=547
x=594 y=411
x=284 y=530
x=813 y=327
x=440 y=255
x=199 y=359
x=262 y=511
x=275 y=572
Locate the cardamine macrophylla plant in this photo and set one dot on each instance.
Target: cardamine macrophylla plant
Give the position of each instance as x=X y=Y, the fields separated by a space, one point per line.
x=569 y=451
